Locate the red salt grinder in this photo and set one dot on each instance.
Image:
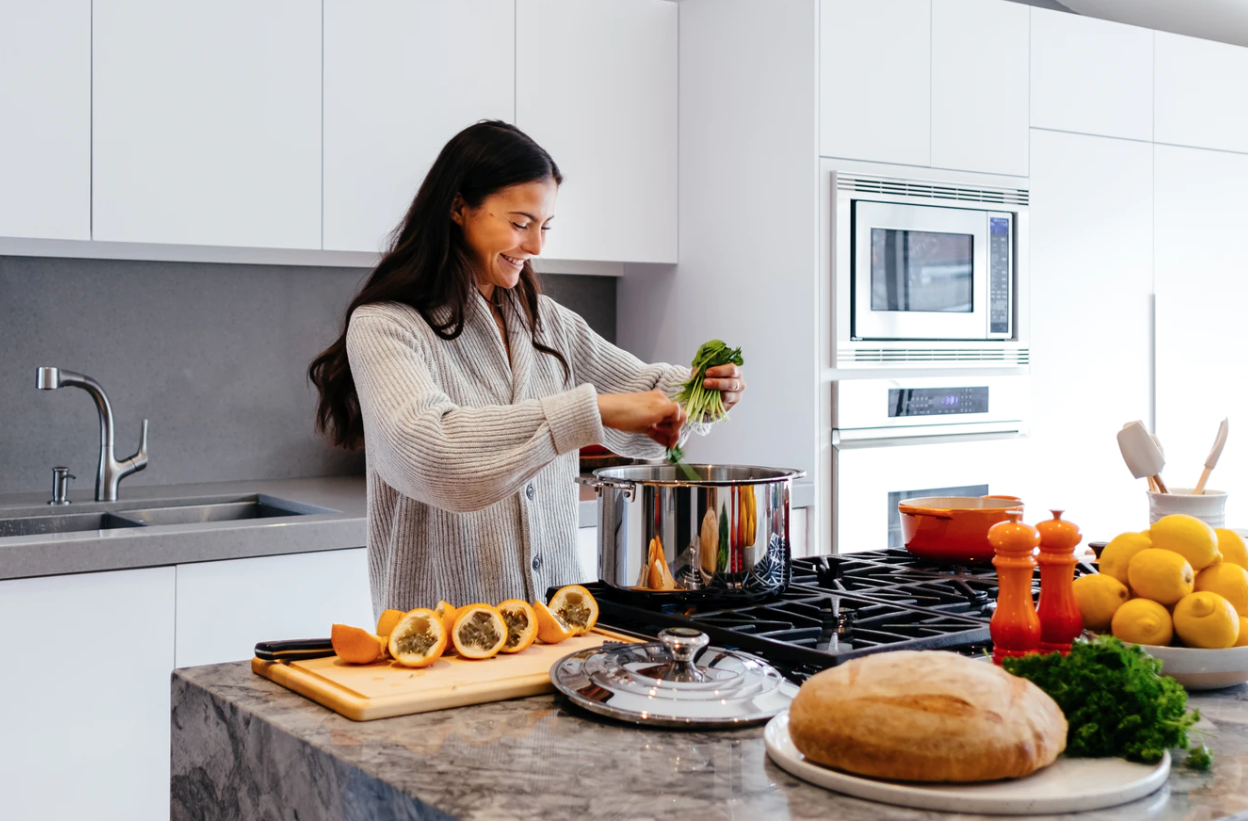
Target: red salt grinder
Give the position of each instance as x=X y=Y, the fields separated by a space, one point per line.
x=1060 y=622
x=1015 y=627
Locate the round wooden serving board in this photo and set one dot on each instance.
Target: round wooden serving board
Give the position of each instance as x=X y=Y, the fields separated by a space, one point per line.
x=1067 y=785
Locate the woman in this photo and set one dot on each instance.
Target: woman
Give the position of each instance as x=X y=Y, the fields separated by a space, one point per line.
x=472 y=393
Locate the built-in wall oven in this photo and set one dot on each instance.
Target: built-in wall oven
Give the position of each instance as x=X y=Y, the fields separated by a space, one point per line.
x=928 y=273
x=896 y=439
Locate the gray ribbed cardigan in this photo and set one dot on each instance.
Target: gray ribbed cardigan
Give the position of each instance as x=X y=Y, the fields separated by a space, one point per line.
x=472 y=460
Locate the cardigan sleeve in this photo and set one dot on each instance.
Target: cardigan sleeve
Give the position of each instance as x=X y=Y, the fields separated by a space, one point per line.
x=597 y=362
x=457 y=458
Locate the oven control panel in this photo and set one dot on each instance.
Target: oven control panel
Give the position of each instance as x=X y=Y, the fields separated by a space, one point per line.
x=999 y=275
x=936 y=401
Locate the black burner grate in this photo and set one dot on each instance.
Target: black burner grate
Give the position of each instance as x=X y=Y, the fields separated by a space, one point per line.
x=838 y=608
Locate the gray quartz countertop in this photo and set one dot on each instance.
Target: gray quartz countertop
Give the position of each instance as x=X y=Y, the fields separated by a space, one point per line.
x=48 y=554
x=51 y=554
x=243 y=747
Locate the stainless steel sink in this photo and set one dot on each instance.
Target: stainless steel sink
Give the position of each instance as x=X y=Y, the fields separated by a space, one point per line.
x=158 y=512
x=63 y=523
x=258 y=508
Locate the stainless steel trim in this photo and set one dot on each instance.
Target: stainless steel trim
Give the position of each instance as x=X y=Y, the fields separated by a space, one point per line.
x=670 y=475
x=903 y=441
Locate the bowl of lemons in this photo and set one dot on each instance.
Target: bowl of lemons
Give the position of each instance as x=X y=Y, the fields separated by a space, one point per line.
x=1180 y=589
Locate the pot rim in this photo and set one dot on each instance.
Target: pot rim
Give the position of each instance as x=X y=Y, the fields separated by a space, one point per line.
x=602 y=477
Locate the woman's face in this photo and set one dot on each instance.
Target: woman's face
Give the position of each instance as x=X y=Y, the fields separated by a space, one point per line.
x=506 y=229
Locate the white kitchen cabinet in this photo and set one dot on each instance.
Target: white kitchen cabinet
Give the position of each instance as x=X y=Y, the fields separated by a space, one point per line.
x=596 y=87
x=874 y=80
x=207 y=122
x=45 y=97
x=979 y=85
x=225 y=608
x=587 y=553
x=1091 y=336
x=85 y=695
x=1091 y=76
x=397 y=87
x=1200 y=93
x=1200 y=214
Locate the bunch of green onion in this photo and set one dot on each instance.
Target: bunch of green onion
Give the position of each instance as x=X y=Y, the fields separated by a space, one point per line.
x=702 y=404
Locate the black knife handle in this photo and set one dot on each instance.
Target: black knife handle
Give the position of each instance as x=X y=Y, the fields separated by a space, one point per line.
x=294 y=649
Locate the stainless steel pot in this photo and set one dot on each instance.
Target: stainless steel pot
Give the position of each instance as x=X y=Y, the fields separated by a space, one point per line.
x=667 y=538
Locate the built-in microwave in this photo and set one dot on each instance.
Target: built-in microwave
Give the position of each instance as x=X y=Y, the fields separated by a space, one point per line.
x=928 y=273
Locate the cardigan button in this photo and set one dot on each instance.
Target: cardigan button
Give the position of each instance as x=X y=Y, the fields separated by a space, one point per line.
x=528 y=491
x=537 y=563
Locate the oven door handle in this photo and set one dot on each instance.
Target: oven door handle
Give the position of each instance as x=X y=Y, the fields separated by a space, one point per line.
x=845 y=443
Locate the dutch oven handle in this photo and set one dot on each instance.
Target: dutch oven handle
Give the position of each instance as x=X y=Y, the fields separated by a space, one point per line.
x=923 y=511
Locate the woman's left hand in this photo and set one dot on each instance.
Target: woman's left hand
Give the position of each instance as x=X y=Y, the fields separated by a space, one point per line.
x=728 y=380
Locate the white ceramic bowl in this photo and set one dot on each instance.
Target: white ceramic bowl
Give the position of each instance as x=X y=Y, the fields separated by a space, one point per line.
x=1198 y=669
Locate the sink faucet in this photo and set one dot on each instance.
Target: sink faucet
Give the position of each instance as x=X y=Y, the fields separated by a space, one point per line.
x=111 y=472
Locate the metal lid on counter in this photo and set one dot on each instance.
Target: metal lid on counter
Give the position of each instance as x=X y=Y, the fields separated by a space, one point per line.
x=677 y=681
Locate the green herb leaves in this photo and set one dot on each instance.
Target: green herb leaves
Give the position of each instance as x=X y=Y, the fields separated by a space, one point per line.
x=1115 y=700
x=702 y=404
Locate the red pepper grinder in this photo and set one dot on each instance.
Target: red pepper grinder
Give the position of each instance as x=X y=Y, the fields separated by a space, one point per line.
x=1015 y=627
x=1060 y=622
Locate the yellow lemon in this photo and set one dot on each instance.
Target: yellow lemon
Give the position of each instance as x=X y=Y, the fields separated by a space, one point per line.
x=1230 y=581
x=1206 y=620
x=1231 y=546
x=1098 y=597
x=1141 y=621
x=1188 y=536
x=1119 y=552
x=1160 y=575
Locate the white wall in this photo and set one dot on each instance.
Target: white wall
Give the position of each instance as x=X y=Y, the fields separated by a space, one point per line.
x=748 y=224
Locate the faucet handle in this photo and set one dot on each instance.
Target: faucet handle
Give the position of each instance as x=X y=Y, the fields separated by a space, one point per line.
x=139 y=460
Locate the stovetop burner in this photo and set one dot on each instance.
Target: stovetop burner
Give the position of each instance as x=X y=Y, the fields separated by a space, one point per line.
x=838 y=608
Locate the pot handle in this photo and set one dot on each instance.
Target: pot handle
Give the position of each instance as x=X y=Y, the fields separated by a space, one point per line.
x=923 y=511
x=599 y=482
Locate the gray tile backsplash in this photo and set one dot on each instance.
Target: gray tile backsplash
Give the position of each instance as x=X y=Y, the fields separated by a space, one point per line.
x=215 y=356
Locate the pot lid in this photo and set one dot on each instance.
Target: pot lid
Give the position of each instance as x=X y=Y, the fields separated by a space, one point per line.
x=677 y=681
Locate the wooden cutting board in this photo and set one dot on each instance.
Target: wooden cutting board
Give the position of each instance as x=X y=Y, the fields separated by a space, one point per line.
x=363 y=692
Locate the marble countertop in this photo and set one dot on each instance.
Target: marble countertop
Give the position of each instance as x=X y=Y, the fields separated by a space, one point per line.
x=52 y=554
x=243 y=747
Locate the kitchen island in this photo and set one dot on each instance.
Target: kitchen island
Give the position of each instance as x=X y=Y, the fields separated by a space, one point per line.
x=244 y=747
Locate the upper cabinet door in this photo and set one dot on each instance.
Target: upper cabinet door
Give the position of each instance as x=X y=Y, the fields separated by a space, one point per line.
x=398 y=85
x=207 y=122
x=1091 y=76
x=1200 y=97
x=1198 y=255
x=596 y=87
x=979 y=85
x=875 y=80
x=45 y=97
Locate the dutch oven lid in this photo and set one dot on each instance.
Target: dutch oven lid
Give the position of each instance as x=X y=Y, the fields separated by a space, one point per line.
x=675 y=682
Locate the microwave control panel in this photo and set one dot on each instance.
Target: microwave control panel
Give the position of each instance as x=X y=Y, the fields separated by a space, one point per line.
x=998 y=275
x=936 y=401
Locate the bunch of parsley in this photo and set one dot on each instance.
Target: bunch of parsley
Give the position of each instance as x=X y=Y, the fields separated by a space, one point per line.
x=1115 y=700
x=702 y=404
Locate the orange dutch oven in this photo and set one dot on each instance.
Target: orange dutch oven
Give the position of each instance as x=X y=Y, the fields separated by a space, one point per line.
x=953 y=528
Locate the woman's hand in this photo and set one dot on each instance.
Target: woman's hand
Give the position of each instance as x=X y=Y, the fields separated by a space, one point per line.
x=726 y=379
x=651 y=413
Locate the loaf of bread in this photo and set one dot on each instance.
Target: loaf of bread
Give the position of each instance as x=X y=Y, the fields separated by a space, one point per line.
x=926 y=716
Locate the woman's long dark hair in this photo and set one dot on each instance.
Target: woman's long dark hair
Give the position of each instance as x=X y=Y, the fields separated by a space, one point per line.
x=428 y=265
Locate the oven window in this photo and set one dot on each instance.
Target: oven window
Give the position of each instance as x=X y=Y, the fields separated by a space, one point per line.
x=921 y=271
x=897 y=496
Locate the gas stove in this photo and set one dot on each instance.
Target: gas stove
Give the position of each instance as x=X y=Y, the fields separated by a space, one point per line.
x=837 y=608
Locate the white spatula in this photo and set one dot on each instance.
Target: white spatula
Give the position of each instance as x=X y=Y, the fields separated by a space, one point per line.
x=1141 y=453
x=1211 y=460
